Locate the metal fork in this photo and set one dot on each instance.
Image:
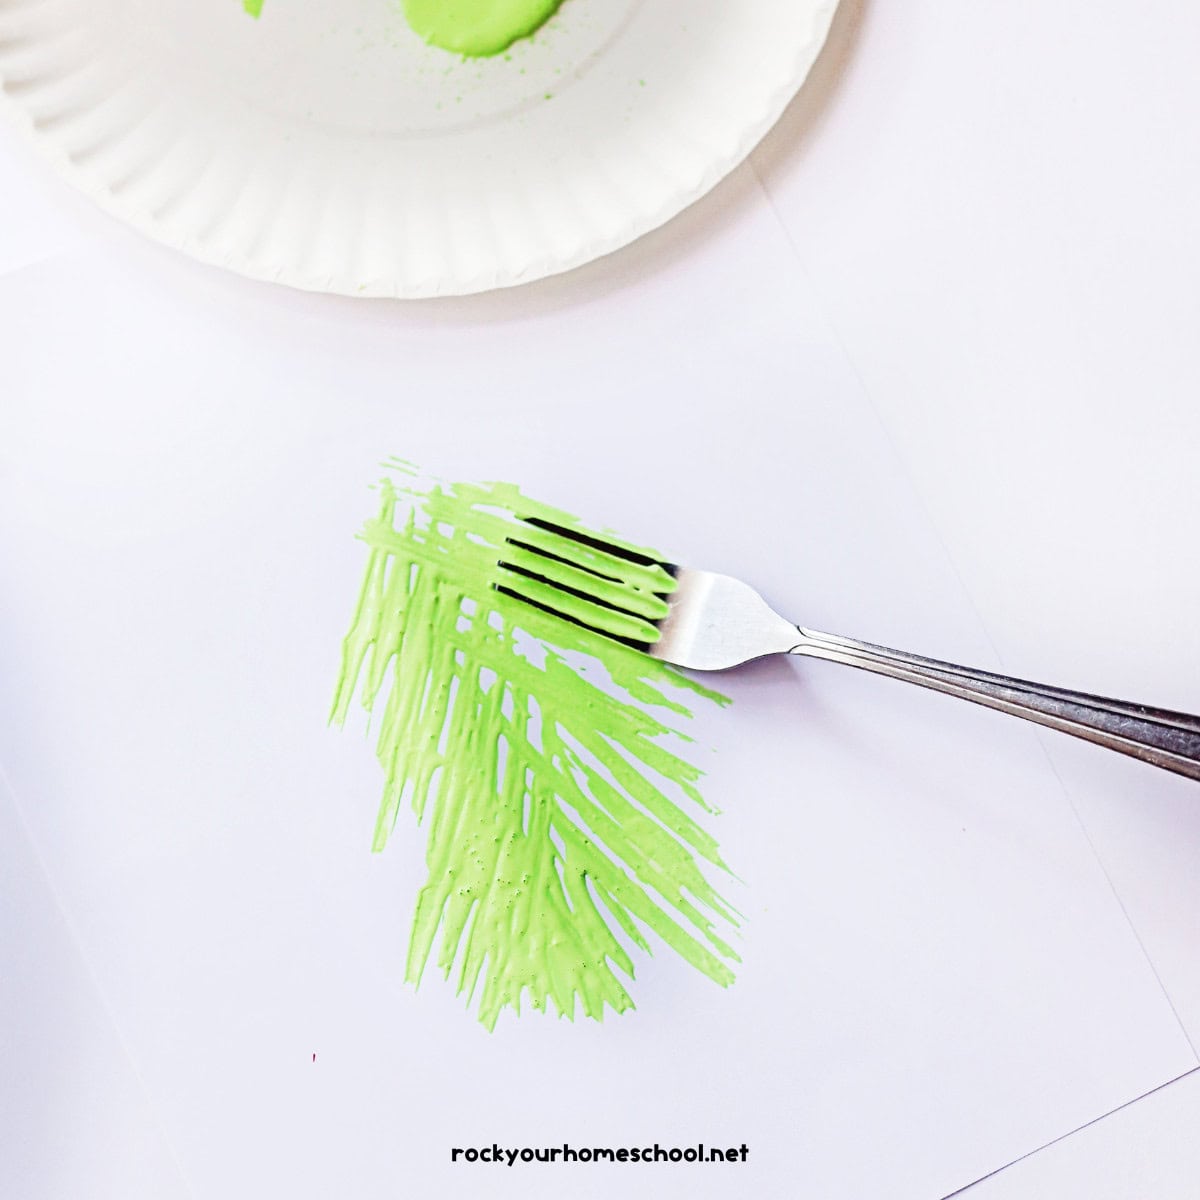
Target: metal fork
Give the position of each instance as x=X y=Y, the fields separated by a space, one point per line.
x=709 y=622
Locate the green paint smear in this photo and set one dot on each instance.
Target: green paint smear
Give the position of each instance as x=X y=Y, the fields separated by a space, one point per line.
x=554 y=791
x=477 y=28
x=472 y=28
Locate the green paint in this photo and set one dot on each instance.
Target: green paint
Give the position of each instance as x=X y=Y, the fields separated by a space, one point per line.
x=472 y=28
x=545 y=760
x=637 y=589
x=477 y=28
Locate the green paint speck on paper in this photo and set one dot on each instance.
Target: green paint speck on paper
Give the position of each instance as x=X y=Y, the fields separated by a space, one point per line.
x=556 y=797
x=253 y=7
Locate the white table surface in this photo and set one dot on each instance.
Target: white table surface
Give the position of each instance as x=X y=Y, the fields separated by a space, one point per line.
x=1001 y=214
x=992 y=216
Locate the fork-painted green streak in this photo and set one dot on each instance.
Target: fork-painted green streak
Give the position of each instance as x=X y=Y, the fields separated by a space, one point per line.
x=555 y=793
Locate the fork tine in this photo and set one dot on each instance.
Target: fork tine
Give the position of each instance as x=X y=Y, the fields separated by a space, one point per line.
x=581 y=581
x=612 y=560
x=586 y=539
x=611 y=624
x=605 y=587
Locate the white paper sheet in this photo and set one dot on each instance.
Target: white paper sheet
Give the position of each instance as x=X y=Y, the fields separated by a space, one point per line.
x=937 y=977
x=999 y=218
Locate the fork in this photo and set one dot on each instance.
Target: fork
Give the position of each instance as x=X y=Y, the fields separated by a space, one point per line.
x=710 y=622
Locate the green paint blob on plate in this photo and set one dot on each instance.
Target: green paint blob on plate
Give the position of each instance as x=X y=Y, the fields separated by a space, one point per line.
x=472 y=28
x=546 y=762
x=477 y=28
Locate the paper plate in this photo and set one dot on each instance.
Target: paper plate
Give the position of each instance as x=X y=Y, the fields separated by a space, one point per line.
x=327 y=147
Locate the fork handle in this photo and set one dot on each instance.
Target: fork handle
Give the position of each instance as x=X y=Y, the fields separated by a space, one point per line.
x=1167 y=739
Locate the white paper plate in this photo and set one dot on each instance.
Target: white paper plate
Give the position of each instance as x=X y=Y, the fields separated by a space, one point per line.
x=325 y=146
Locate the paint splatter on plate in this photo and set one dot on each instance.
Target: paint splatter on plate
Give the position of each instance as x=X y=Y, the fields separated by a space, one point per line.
x=325 y=145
